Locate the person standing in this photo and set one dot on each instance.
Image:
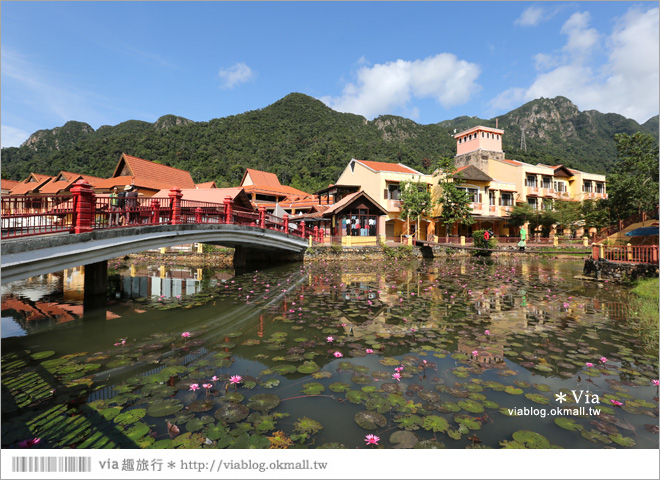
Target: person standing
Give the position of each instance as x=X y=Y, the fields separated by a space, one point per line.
x=523 y=237
x=131 y=203
x=114 y=208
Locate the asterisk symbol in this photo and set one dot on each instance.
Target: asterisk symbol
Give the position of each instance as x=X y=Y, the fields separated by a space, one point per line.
x=560 y=397
x=171 y=465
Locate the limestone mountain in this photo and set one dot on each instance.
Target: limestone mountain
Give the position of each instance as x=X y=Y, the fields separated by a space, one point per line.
x=307 y=144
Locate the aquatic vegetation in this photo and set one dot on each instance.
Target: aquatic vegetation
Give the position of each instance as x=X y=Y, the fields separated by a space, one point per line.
x=414 y=348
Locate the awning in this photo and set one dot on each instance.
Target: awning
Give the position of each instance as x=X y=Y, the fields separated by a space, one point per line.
x=643 y=232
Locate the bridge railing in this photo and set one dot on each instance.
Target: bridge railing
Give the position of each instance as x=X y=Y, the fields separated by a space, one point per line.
x=625 y=253
x=24 y=216
x=83 y=211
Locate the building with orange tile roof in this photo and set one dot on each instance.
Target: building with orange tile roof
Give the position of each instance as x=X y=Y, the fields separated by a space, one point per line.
x=206 y=185
x=211 y=195
x=265 y=189
x=30 y=185
x=63 y=181
x=7 y=185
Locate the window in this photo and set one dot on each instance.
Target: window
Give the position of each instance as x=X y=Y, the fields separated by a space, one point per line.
x=359 y=223
x=531 y=181
x=483 y=134
x=547 y=182
x=491 y=197
x=532 y=202
x=600 y=188
x=473 y=194
x=586 y=187
x=547 y=205
x=506 y=199
x=393 y=192
x=560 y=186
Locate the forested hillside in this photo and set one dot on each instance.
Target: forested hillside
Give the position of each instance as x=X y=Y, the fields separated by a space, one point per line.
x=308 y=144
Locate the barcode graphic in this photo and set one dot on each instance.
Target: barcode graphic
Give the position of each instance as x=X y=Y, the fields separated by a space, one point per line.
x=51 y=464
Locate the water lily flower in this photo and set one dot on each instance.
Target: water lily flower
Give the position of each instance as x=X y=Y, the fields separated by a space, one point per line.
x=398 y=369
x=589 y=364
x=215 y=378
x=369 y=350
x=32 y=442
x=185 y=334
x=603 y=359
x=207 y=385
x=397 y=376
x=372 y=439
x=655 y=382
x=616 y=403
x=235 y=379
x=194 y=386
x=487 y=332
x=338 y=354
x=475 y=353
x=329 y=339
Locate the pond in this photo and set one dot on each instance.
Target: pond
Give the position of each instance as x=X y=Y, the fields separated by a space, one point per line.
x=444 y=353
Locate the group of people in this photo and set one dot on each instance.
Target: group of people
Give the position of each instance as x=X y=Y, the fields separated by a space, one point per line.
x=123 y=206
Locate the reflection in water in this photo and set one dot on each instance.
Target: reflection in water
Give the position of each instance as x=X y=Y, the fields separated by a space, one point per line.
x=334 y=337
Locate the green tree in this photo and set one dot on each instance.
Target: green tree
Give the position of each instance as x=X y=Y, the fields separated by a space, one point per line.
x=454 y=201
x=633 y=187
x=415 y=201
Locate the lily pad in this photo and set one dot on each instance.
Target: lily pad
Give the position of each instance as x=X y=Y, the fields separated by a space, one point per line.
x=429 y=444
x=263 y=402
x=623 y=441
x=537 y=398
x=410 y=422
x=339 y=387
x=370 y=420
x=389 y=361
x=470 y=422
x=435 y=423
x=232 y=412
x=307 y=425
x=471 y=406
x=513 y=390
x=403 y=439
x=313 y=388
x=308 y=367
x=568 y=424
x=215 y=431
x=163 y=408
x=130 y=416
x=531 y=439
x=357 y=396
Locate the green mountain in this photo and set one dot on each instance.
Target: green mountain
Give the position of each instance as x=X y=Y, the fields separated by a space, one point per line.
x=308 y=144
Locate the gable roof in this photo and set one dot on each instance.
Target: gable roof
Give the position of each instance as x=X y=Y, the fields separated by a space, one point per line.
x=211 y=195
x=206 y=185
x=30 y=184
x=257 y=177
x=8 y=184
x=560 y=170
x=64 y=180
x=387 y=167
x=470 y=172
x=280 y=190
x=349 y=199
x=152 y=173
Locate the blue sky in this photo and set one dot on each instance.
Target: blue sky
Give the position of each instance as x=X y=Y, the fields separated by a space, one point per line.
x=107 y=62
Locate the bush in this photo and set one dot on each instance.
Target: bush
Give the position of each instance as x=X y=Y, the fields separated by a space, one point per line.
x=480 y=242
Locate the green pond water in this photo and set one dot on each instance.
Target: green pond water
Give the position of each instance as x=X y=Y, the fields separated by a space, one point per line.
x=444 y=353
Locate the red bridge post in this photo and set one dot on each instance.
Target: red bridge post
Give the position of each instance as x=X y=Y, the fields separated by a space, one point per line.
x=228 y=209
x=176 y=195
x=316 y=233
x=155 y=211
x=286 y=223
x=302 y=228
x=262 y=216
x=198 y=215
x=83 y=207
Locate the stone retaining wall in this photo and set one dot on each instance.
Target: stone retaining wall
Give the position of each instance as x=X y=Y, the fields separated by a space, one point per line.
x=605 y=270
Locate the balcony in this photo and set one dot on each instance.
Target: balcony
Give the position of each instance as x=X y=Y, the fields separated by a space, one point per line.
x=393 y=206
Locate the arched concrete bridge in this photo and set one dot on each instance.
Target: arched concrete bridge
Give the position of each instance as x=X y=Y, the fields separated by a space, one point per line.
x=26 y=257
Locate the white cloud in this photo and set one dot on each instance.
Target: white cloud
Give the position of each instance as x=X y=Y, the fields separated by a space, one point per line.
x=531 y=17
x=236 y=74
x=12 y=136
x=626 y=83
x=384 y=88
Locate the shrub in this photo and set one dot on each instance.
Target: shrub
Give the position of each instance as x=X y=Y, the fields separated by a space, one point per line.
x=480 y=242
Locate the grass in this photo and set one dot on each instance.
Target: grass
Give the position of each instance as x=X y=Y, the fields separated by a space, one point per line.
x=645 y=312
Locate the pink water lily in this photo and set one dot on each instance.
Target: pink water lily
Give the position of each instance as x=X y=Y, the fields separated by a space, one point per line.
x=589 y=364
x=487 y=332
x=207 y=385
x=329 y=339
x=194 y=386
x=372 y=439
x=338 y=354
x=32 y=442
x=475 y=353
x=214 y=378
x=396 y=376
x=655 y=382
x=616 y=403
x=235 y=379
x=603 y=359
x=369 y=350
x=185 y=334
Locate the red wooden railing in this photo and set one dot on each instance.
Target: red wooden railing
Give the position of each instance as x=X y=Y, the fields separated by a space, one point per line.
x=625 y=253
x=83 y=211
